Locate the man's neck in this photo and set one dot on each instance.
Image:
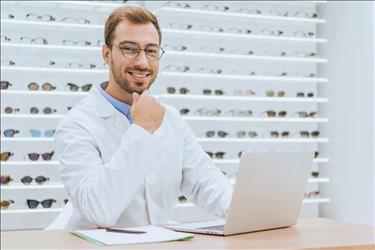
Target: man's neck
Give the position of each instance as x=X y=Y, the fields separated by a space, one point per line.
x=118 y=93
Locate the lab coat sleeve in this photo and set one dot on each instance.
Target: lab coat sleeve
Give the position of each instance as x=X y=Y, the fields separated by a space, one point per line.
x=102 y=190
x=203 y=183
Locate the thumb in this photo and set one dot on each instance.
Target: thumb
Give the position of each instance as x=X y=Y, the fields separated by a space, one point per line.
x=135 y=96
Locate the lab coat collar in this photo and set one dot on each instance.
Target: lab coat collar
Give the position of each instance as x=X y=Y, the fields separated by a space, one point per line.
x=101 y=106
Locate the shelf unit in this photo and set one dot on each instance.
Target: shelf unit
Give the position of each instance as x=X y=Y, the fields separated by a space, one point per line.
x=21 y=73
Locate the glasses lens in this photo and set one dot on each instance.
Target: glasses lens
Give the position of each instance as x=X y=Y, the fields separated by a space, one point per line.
x=184 y=111
x=285 y=134
x=253 y=134
x=184 y=91
x=72 y=87
x=282 y=113
x=33 y=86
x=210 y=154
x=219 y=155
x=274 y=134
x=49 y=133
x=34 y=110
x=222 y=134
x=219 y=92
x=5 y=203
x=241 y=134
x=315 y=134
x=32 y=203
x=47 y=110
x=47 y=203
x=5 y=84
x=304 y=134
x=41 y=179
x=35 y=133
x=86 y=87
x=26 y=180
x=315 y=174
x=33 y=156
x=271 y=113
x=171 y=90
x=270 y=93
x=5 y=156
x=207 y=91
x=47 y=156
x=9 y=132
x=48 y=87
x=5 y=179
x=210 y=133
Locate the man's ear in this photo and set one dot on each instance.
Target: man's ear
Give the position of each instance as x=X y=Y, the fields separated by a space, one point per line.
x=106 y=54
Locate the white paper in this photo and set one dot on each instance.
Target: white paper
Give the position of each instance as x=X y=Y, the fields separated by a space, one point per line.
x=153 y=234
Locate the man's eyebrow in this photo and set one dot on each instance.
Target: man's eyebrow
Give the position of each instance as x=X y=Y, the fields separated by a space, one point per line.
x=149 y=44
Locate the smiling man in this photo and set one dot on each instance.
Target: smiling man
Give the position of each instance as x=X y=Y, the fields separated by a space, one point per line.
x=125 y=157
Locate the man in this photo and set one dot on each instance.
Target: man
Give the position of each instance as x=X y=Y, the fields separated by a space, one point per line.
x=125 y=157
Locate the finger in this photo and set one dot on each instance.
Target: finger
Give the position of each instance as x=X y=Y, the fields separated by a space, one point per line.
x=135 y=96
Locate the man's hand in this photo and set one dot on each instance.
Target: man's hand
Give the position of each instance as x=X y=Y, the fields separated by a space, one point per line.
x=146 y=111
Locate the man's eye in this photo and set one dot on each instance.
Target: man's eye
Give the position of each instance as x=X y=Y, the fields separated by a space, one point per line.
x=152 y=51
x=129 y=50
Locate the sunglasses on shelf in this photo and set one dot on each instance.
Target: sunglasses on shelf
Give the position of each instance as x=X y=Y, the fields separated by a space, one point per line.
x=39 y=180
x=6 y=203
x=38 y=133
x=10 y=110
x=5 y=84
x=272 y=113
x=5 y=179
x=10 y=132
x=45 y=203
x=219 y=133
x=217 y=155
x=306 y=134
x=46 y=110
x=315 y=174
x=172 y=90
x=216 y=92
x=74 y=87
x=6 y=155
x=45 y=156
x=301 y=94
x=277 y=134
x=312 y=194
x=271 y=93
x=45 y=86
x=242 y=134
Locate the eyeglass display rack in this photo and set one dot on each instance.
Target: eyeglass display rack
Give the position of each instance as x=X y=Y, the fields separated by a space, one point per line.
x=256 y=56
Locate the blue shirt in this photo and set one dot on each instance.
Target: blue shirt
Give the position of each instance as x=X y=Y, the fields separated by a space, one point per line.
x=124 y=108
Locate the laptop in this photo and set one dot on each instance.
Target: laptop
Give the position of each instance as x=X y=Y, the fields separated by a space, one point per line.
x=268 y=194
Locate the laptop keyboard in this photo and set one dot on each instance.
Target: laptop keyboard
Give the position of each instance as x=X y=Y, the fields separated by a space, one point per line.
x=214 y=228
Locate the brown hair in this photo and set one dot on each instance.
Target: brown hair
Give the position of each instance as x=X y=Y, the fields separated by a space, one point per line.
x=133 y=14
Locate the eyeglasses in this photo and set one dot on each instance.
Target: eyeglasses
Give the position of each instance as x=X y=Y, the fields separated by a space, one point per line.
x=5 y=84
x=75 y=20
x=304 y=14
x=213 y=7
x=217 y=155
x=250 y=11
x=10 y=110
x=242 y=92
x=239 y=30
x=272 y=113
x=7 y=63
x=276 y=134
x=251 y=134
x=36 y=40
x=304 y=34
x=74 y=87
x=183 y=90
x=271 y=93
x=6 y=155
x=38 y=133
x=178 y=4
x=209 y=71
x=46 y=110
x=45 y=203
x=269 y=32
x=240 y=113
x=184 y=111
x=131 y=51
x=10 y=132
x=175 y=47
x=5 y=39
x=46 y=86
x=5 y=179
x=305 y=114
x=207 y=112
x=219 y=133
x=78 y=43
x=35 y=156
x=306 y=134
x=182 y=26
x=176 y=68
x=6 y=203
x=44 y=18
x=39 y=180
x=315 y=174
x=210 y=28
x=301 y=94
x=81 y=65
x=182 y=199
x=312 y=194
x=209 y=92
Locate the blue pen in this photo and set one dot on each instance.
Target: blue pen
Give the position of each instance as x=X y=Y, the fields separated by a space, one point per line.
x=124 y=231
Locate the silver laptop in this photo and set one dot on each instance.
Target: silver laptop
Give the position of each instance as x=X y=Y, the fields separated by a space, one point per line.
x=268 y=194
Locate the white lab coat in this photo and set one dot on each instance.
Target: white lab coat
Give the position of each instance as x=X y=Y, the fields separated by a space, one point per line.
x=118 y=174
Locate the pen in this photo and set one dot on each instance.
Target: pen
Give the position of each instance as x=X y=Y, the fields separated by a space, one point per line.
x=124 y=231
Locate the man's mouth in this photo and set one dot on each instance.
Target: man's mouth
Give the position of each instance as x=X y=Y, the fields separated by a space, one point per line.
x=139 y=75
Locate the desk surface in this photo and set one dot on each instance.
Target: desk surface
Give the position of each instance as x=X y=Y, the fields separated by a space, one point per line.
x=312 y=233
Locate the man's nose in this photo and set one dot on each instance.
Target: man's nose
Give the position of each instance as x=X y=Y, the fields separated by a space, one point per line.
x=141 y=59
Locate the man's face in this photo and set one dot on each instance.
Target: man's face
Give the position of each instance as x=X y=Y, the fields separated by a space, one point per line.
x=137 y=74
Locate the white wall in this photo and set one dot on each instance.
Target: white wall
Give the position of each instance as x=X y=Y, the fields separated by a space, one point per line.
x=350 y=71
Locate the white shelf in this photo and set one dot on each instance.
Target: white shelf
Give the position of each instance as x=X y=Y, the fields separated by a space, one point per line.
x=42 y=92
x=318 y=180
x=244 y=36
x=240 y=15
x=54 y=47
x=251 y=119
x=245 y=77
x=85 y=5
x=270 y=140
x=237 y=161
x=30 y=116
x=175 y=53
x=51 y=24
x=35 y=210
x=27 y=139
x=246 y=57
x=30 y=163
x=20 y=186
x=51 y=69
x=241 y=98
